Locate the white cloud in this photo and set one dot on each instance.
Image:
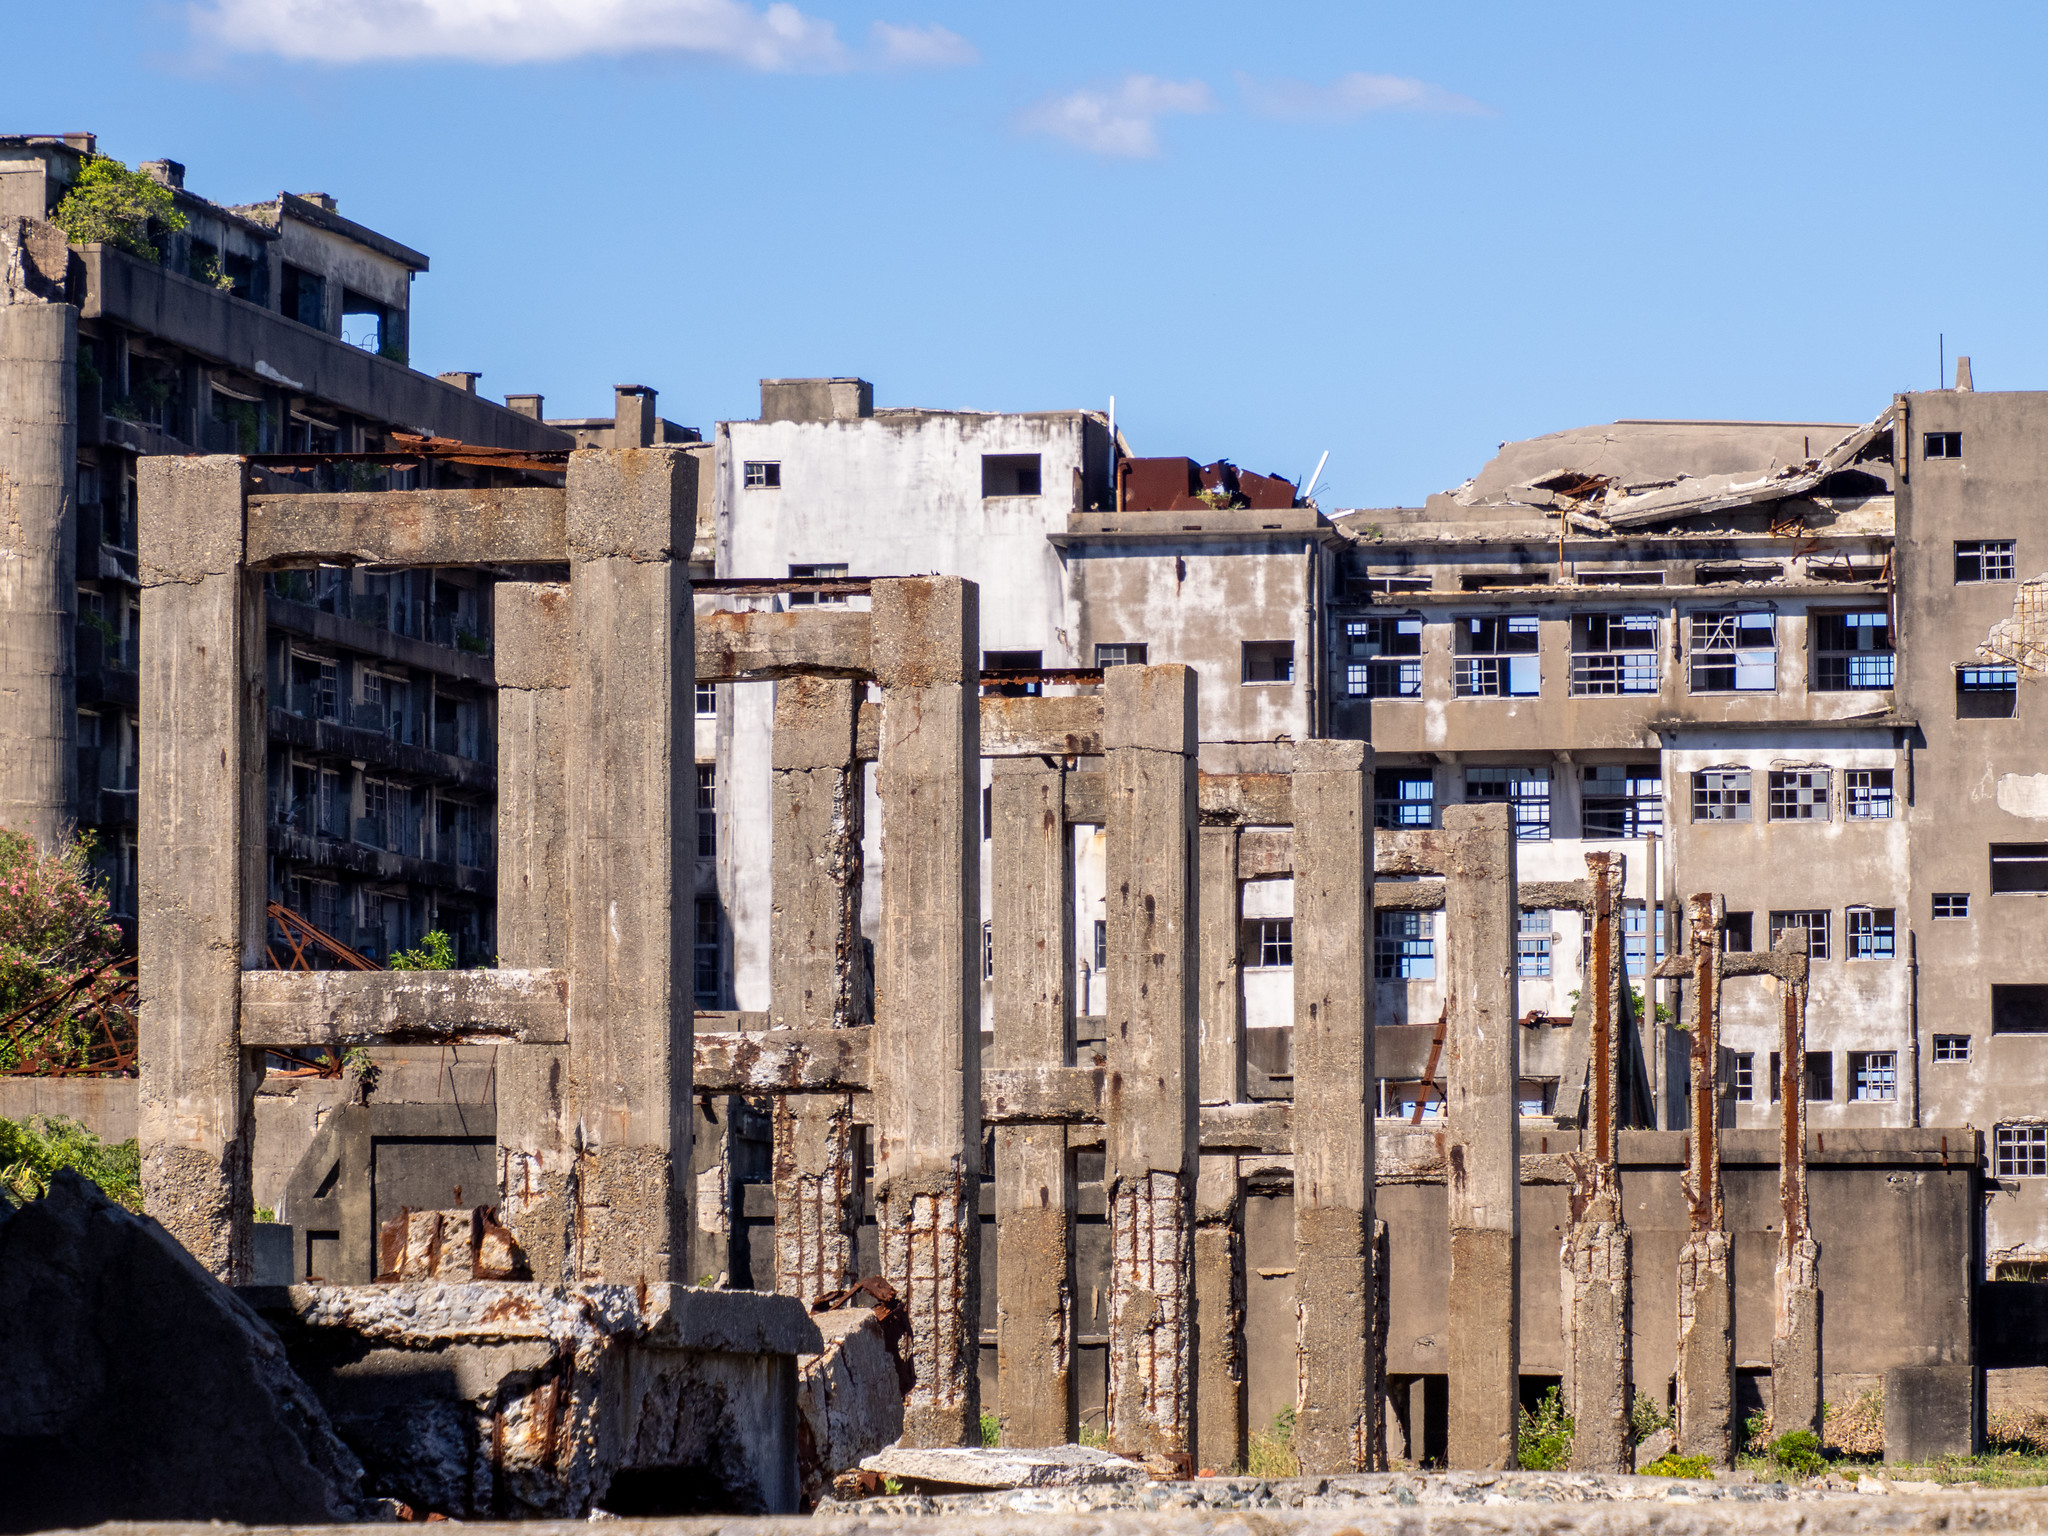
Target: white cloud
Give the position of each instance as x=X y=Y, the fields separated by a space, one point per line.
x=1117 y=120
x=1351 y=96
x=775 y=37
x=932 y=47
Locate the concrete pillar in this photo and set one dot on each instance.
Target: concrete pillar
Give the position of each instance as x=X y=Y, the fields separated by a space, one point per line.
x=1706 y=1298
x=818 y=973
x=1033 y=932
x=1594 y=1286
x=1219 y=1206
x=533 y=662
x=632 y=853
x=1481 y=1153
x=38 y=576
x=200 y=848
x=1335 y=1286
x=925 y=1063
x=1795 y=1334
x=1149 y=733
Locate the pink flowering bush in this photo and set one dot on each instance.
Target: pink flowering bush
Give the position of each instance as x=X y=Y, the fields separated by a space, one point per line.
x=55 y=935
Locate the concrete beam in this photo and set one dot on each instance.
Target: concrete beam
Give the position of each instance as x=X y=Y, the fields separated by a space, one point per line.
x=1413 y=852
x=1053 y=726
x=1482 y=1051
x=1706 y=1295
x=632 y=841
x=200 y=854
x=296 y=1009
x=925 y=1078
x=779 y=1061
x=762 y=647
x=1335 y=1286
x=498 y=525
x=1795 y=1331
x=1153 y=906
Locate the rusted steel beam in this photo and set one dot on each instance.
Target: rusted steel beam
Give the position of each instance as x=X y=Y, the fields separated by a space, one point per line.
x=510 y=525
x=783 y=1061
x=292 y=1009
x=1025 y=677
x=759 y=647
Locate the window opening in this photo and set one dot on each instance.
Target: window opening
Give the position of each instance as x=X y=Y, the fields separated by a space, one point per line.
x=1635 y=936
x=1526 y=789
x=1269 y=661
x=1852 y=651
x=1951 y=903
x=1984 y=560
x=2021 y=1151
x=1942 y=445
x=1799 y=794
x=1869 y=793
x=707 y=698
x=1384 y=658
x=2019 y=867
x=1869 y=931
x=1497 y=657
x=764 y=474
x=1615 y=653
x=1720 y=794
x=1734 y=652
x=1620 y=800
x=707 y=952
x=1737 y=929
x=1010 y=474
x=1403 y=797
x=816 y=573
x=1123 y=653
x=707 y=810
x=1814 y=922
x=1404 y=946
x=1101 y=945
x=1820 y=1076
x=2019 y=1009
x=1270 y=941
x=1873 y=1076
x=1533 y=943
x=1987 y=693
x=1011 y=661
x=1951 y=1047
x=1745 y=1075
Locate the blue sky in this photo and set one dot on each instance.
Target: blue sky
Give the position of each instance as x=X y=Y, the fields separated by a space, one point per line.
x=1399 y=233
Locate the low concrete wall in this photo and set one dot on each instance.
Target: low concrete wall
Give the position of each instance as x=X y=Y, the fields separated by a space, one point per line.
x=103 y=1105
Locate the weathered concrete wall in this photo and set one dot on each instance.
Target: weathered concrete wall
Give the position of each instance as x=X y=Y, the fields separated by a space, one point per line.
x=103 y=1105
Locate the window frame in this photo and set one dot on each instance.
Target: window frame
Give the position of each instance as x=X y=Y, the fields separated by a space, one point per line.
x=1870 y=933
x=1387 y=810
x=1821 y=949
x=2003 y=552
x=1955 y=903
x=1253 y=654
x=1704 y=650
x=1707 y=797
x=2000 y=682
x=1941 y=445
x=1269 y=943
x=761 y=474
x=1835 y=665
x=1872 y=1070
x=1950 y=1048
x=1786 y=789
x=1641 y=811
x=1374 y=668
x=1502 y=671
x=1860 y=798
x=1605 y=670
x=2019 y=1150
x=1532 y=819
x=2022 y=857
x=1413 y=955
x=1117 y=653
x=1535 y=939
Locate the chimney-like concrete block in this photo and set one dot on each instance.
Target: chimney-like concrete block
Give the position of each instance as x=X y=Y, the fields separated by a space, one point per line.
x=460 y=379
x=525 y=405
x=634 y=423
x=816 y=399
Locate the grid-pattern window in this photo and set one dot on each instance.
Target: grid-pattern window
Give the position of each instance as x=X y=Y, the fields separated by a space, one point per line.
x=816 y=573
x=707 y=810
x=1636 y=936
x=2019 y=867
x=1987 y=693
x=1734 y=651
x=1942 y=445
x=1745 y=1076
x=1873 y=1076
x=2020 y=1151
x=1951 y=903
x=1869 y=931
x=1497 y=656
x=763 y=474
x=1852 y=650
x=707 y=698
x=1121 y=653
x=1868 y=792
x=1533 y=945
x=1404 y=946
x=1383 y=658
x=1270 y=941
x=1814 y=922
x=1403 y=797
x=1951 y=1047
x=1799 y=794
x=706 y=965
x=1984 y=560
x=1720 y=794
x=1614 y=653
x=1620 y=800
x=1526 y=789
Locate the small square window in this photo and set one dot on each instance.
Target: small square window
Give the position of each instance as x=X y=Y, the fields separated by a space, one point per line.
x=1383 y=658
x=764 y=474
x=1984 y=560
x=1873 y=1076
x=2020 y=1151
x=1737 y=931
x=1720 y=794
x=1745 y=1076
x=707 y=698
x=1951 y=903
x=1815 y=924
x=2019 y=867
x=1269 y=941
x=1870 y=932
x=1869 y=791
x=1122 y=653
x=1951 y=1047
x=1009 y=474
x=1799 y=794
x=1498 y=656
x=1987 y=693
x=1268 y=661
x=1404 y=946
x=1943 y=445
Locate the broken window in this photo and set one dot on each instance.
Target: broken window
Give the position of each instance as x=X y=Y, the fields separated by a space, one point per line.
x=1799 y=794
x=2019 y=1010
x=1533 y=942
x=1497 y=657
x=707 y=953
x=305 y=297
x=1942 y=445
x=248 y=278
x=1636 y=931
x=1736 y=574
x=1870 y=932
x=1620 y=578
x=1269 y=661
x=1820 y=1076
x=764 y=474
x=1526 y=789
x=1744 y=1076
x=1123 y=653
x=1951 y=903
x=1384 y=586
x=1504 y=581
x=1384 y=658
x=1951 y=1047
x=1734 y=651
x=1984 y=560
x=1009 y=474
x=1720 y=794
x=2020 y=1151
x=1403 y=797
x=816 y=573
x=1269 y=941
x=1869 y=793
x=1852 y=650
x=1614 y=653
x=1873 y=1076
x=1618 y=800
x=1404 y=946
x=370 y=325
x=1987 y=693
x=2019 y=867
x=1736 y=930
x=707 y=810
x=315 y=687
x=998 y=662
x=1814 y=922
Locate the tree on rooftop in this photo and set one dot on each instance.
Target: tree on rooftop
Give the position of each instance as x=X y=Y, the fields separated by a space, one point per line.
x=114 y=205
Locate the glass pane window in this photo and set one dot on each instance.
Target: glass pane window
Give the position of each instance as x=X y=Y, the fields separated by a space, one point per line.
x=1269 y=941
x=1720 y=794
x=1870 y=932
x=2021 y=1151
x=1636 y=932
x=1122 y=653
x=1951 y=1047
x=1745 y=1075
x=1987 y=693
x=1815 y=924
x=1615 y=653
x=1533 y=945
x=1621 y=800
x=814 y=573
x=706 y=952
x=707 y=810
x=1984 y=560
x=1383 y=658
x=1403 y=797
x=763 y=474
x=1852 y=650
x=1404 y=946
x=1734 y=652
x=1497 y=656
x=2019 y=867
x=1869 y=791
x=1951 y=903
x=1873 y=1075
x=1526 y=789
x=1799 y=794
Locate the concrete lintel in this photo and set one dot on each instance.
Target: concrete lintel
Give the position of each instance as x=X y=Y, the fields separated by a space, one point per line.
x=532 y=620
x=1247 y=799
x=1262 y=1127
x=500 y=525
x=296 y=1009
x=758 y=647
x=1066 y=1095
x=1263 y=853
x=783 y=1061
x=1068 y=726
x=1417 y=852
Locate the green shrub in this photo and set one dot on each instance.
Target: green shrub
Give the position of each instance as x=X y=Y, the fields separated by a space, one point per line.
x=991 y=1429
x=1543 y=1439
x=32 y=1150
x=1270 y=1451
x=436 y=953
x=1671 y=1464
x=114 y=205
x=1645 y=1418
x=1799 y=1452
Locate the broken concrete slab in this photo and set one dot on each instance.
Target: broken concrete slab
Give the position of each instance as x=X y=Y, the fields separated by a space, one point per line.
x=138 y=1387
x=1052 y=1466
x=849 y=1398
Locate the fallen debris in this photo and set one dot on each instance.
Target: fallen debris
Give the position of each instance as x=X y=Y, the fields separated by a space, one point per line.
x=1053 y=1466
